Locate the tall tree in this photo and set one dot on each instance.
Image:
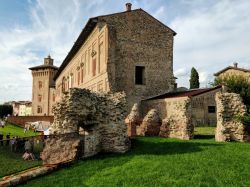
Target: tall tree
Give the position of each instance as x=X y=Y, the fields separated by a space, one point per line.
x=194 y=79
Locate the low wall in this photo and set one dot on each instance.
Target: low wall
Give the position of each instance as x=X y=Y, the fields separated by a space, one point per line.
x=21 y=120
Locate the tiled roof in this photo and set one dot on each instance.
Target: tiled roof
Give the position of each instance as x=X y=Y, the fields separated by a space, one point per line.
x=231 y=67
x=44 y=67
x=188 y=93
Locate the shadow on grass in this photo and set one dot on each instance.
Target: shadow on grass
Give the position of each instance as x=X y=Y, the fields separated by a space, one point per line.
x=200 y=136
x=144 y=146
x=155 y=146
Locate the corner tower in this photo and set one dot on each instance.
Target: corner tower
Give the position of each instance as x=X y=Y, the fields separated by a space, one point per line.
x=43 y=87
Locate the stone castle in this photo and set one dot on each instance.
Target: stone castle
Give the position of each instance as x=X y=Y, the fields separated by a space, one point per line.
x=129 y=51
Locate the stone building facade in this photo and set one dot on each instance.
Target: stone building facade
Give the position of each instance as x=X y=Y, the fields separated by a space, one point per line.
x=233 y=70
x=129 y=51
x=43 y=88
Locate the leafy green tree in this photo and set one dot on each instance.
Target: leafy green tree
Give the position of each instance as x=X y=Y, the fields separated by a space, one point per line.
x=237 y=84
x=194 y=79
x=5 y=110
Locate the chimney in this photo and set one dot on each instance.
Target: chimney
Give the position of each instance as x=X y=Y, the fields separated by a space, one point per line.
x=128 y=7
x=235 y=64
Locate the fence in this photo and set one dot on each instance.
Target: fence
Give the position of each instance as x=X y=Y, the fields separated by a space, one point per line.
x=12 y=151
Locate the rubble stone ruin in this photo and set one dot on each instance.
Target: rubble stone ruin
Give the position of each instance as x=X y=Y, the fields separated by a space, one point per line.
x=228 y=128
x=133 y=121
x=178 y=124
x=151 y=124
x=85 y=124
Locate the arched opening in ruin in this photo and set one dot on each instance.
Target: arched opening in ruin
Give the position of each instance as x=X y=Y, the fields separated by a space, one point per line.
x=96 y=121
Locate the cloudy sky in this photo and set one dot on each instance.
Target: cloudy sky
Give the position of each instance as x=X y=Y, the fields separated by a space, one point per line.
x=211 y=34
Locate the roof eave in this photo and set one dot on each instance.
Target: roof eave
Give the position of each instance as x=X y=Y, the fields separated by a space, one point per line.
x=77 y=45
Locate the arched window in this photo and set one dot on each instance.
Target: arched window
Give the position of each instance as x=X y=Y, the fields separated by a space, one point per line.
x=40 y=84
x=39 y=110
x=54 y=97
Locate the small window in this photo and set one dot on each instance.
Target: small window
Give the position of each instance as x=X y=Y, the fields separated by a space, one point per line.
x=54 y=97
x=40 y=84
x=211 y=109
x=139 y=75
x=39 y=110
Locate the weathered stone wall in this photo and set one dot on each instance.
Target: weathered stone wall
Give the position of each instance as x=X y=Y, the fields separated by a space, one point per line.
x=179 y=124
x=101 y=116
x=151 y=124
x=61 y=148
x=133 y=120
x=228 y=128
x=176 y=114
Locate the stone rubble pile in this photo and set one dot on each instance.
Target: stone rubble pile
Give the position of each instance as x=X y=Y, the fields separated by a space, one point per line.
x=178 y=125
x=101 y=116
x=228 y=128
x=151 y=124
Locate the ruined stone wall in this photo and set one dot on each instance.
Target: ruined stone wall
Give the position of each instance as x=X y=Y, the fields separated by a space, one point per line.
x=176 y=114
x=228 y=128
x=178 y=124
x=133 y=120
x=151 y=124
x=100 y=116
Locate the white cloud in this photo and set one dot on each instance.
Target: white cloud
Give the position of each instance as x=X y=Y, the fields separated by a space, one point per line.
x=211 y=39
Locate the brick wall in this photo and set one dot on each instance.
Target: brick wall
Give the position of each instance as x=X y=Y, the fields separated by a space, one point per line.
x=21 y=120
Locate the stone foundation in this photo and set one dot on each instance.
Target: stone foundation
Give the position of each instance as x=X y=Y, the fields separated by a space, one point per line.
x=228 y=128
x=100 y=118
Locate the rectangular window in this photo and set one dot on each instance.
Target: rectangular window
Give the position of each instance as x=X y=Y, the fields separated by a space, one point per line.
x=211 y=109
x=101 y=58
x=82 y=74
x=78 y=77
x=139 y=75
x=94 y=67
x=89 y=57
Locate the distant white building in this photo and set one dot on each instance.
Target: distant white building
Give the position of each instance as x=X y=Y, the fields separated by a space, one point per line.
x=22 y=108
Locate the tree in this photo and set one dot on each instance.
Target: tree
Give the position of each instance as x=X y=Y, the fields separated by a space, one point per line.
x=236 y=84
x=5 y=110
x=194 y=79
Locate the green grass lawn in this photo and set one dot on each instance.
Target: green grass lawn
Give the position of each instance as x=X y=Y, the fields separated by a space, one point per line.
x=155 y=161
x=16 y=131
x=12 y=162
